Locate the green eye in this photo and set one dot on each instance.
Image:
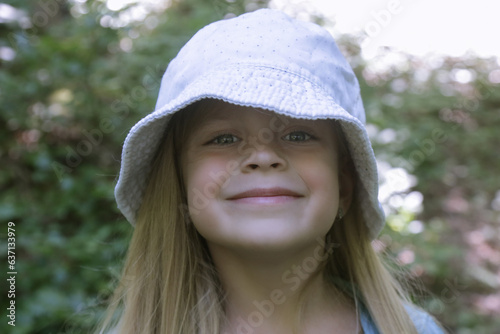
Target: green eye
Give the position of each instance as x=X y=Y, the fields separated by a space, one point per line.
x=225 y=139
x=297 y=136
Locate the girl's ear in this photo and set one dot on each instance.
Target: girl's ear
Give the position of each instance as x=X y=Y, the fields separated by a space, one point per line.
x=347 y=183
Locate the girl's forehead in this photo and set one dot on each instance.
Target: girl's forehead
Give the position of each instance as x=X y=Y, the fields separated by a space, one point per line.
x=213 y=113
x=219 y=110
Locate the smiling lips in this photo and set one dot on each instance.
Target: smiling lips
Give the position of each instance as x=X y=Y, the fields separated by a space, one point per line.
x=266 y=196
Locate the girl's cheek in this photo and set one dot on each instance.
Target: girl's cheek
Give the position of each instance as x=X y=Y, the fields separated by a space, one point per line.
x=205 y=173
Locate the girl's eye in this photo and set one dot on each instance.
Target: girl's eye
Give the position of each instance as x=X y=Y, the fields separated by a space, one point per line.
x=297 y=136
x=224 y=139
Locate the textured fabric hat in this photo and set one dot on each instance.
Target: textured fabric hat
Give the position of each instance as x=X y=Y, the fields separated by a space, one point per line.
x=262 y=59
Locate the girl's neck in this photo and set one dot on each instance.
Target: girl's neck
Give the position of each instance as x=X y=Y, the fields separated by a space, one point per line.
x=269 y=293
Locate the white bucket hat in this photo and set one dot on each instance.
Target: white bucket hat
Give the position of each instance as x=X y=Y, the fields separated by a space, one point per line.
x=262 y=59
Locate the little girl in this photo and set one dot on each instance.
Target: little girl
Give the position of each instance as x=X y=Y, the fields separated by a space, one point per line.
x=253 y=191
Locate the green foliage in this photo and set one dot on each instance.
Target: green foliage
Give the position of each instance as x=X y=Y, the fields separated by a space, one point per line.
x=81 y=76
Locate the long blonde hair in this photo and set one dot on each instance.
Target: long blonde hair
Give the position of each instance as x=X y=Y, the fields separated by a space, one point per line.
x=169 y=283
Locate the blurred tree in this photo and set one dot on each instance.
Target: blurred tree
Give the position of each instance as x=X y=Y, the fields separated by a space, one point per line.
x=76 y=75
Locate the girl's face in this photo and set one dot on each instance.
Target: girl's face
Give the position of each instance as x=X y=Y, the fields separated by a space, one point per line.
x=255 y=179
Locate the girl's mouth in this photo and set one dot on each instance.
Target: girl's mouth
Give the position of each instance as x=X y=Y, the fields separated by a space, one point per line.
x=275 y=195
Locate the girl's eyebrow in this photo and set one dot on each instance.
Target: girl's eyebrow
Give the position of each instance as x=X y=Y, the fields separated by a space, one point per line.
x=212 y=120
x=217 y=118
x=210 y=115
x=213 y=124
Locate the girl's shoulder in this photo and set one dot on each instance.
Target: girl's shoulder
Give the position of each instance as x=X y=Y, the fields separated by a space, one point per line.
x=423 y=321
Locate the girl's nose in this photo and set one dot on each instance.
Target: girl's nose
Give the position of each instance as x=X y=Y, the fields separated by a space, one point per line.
x=264 y=157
